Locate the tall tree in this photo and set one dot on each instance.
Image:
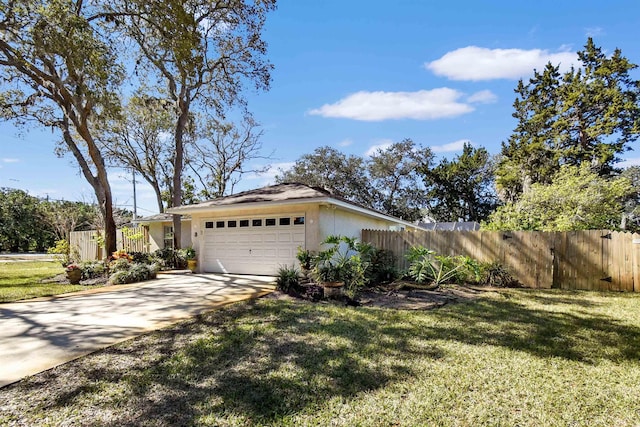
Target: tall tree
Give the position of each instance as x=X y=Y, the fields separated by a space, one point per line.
x=58 y=67
x=204 y=52
x=139 y=140
x=394 y=173
x=461 y=189
x=22 y=225
x=221 y=155
x=343 y=176
x=591 y=114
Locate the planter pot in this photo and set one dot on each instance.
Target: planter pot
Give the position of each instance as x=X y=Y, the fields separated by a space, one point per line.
x=332 y=289
x=192 y=264
x=74 y=276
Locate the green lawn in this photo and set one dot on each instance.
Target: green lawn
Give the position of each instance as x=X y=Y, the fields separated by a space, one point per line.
x=21 y=280
x=518 y=357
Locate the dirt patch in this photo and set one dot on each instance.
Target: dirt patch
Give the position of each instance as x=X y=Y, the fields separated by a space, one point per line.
x=62 y=279
x=404 y=299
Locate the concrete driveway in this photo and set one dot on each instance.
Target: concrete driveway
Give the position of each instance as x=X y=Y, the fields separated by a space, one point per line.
x=38 y=335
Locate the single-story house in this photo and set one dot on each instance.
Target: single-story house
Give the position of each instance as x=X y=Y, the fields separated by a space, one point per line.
x=257 y=231
x=450 y=226
x=161 y=230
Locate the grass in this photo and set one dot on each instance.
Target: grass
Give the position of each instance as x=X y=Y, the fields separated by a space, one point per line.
x=517 y=357
x=22 y=280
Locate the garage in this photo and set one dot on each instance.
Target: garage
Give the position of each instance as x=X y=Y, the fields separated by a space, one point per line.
x=252 y=245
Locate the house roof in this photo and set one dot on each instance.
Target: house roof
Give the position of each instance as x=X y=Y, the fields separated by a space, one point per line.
x=286 y=193
x=161 y=217
x=450 y=226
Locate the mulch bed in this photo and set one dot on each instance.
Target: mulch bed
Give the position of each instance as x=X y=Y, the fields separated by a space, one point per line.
x=398 y=295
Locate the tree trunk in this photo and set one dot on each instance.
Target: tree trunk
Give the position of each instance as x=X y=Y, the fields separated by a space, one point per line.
x=99 y=183
x=178 y=164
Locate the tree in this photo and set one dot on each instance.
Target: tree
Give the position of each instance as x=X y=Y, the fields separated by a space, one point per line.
x=58 y=67
x=22 y=226
x=631 y=218
x=461 y=189
x=204 y=52
x=139 y=140
x=588 y=115
x=576 y=199
x=395 y=178
x=62 y=217
x=219 y=158
x=327 y=168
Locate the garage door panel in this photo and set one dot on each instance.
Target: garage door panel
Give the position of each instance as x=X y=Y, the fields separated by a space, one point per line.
x=251 y=250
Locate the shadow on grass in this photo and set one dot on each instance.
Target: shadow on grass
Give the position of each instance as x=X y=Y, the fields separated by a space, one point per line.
x=573 y=334
x=275 y=362
x=260 y=362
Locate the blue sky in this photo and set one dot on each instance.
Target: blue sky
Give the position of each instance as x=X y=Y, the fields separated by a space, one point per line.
x=356 y=75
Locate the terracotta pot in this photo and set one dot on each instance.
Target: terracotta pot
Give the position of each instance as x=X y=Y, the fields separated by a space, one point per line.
x=74 y=276
x=192 y=264
x=332 y=289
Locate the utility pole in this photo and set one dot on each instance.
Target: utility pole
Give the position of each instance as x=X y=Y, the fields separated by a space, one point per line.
x=135 y=204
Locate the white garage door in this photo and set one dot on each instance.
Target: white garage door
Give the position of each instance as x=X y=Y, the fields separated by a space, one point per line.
x=252 y=245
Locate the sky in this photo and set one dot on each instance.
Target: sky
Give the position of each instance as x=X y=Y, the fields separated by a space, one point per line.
x=358 y=75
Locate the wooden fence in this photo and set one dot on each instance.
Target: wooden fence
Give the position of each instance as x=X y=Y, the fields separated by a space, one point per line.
x=590 y=260
x=87 y=243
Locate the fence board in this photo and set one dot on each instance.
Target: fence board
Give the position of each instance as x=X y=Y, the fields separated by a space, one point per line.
x=566 y=260
x=130 y=239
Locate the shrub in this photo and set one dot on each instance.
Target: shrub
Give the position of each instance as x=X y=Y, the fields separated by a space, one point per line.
x=288 y=279
x=92 y=269
x=425 y=266
x=382 y=267
x=135 y=273
x=345 y=260
x=141 y=258
x=169 y=258
x=120 y=264
x=494 y=274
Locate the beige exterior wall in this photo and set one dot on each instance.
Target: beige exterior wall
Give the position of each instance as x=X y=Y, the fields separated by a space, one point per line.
x=156 y=235
x=337 y=221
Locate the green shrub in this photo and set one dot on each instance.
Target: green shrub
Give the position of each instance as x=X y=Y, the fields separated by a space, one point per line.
x=141 y=258
x=92 y=269
x=288 y=279
x=382 y=267
x=135 y=273
x=169 y=259
x=425 y=266
x=120 y=264
x=345 y=260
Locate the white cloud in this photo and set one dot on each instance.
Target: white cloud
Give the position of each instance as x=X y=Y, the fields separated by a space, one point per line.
x=634 y=161
x=381 y=145
x=345 y=142
x=376 y=106
x=452 y=146
x=483 y=97
x=594 y=31
x=478 y=63
x=7 y=160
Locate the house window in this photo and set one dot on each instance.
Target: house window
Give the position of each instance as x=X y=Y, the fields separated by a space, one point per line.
x=285 y=221
x=168 y=237
x=219 y=224
x=257 y=223
x=244 y=223
x=269 y=222
x=208 y=224
x=299 y=220
x=232 y=224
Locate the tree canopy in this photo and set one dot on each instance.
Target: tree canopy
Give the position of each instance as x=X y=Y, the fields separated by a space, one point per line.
x=576 y=199
x=590 y=114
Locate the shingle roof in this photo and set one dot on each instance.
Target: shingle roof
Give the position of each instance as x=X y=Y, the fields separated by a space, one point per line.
x=272 y=193
x=450 y=226
x=161 y=217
